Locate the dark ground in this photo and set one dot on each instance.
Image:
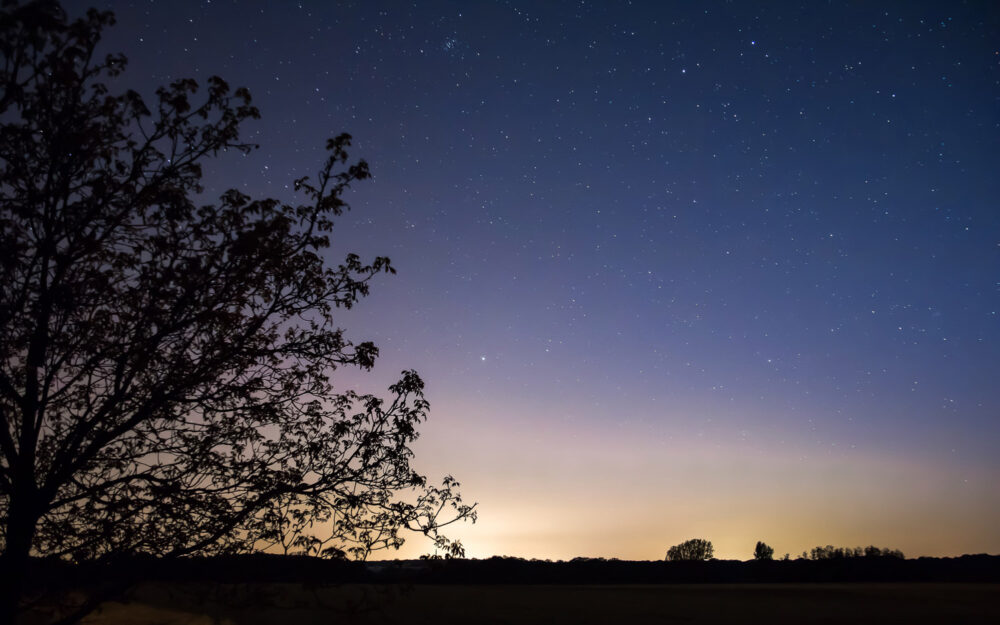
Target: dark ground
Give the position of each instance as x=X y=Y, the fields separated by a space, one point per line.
x=260 y=589
x=258 y=604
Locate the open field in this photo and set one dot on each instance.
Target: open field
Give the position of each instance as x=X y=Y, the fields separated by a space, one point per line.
x=257 y=604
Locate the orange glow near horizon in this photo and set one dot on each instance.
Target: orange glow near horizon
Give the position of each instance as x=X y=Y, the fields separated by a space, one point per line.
x=616 y=495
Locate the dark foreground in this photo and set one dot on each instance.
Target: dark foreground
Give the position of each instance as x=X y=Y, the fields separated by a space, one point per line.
x=251 y=604
x=260 y=588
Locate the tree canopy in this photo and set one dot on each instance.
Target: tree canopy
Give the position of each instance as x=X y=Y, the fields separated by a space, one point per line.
x=165 y=365
x=763 y=551
x=694 y=549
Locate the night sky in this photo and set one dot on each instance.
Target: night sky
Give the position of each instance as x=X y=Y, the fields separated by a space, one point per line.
x=669 y=270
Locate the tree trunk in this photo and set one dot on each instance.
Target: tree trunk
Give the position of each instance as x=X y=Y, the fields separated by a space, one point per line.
x=14 y=561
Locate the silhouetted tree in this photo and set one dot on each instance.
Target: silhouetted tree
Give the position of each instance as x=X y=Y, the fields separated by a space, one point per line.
x=871 y=551
x=763 y=551
x=165 y=367
x=694 y=549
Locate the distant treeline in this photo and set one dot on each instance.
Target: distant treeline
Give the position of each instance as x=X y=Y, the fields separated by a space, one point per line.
x=969 y=568
x=834 y=553
x=701 y=549
x=510 y=570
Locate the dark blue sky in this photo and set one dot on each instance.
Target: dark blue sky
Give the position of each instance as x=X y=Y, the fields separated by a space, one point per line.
x=677 y=258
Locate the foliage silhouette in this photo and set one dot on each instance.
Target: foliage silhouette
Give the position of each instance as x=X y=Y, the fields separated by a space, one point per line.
x=694 y=549
x=830 y=552
x=763 y=551
x=165 y=367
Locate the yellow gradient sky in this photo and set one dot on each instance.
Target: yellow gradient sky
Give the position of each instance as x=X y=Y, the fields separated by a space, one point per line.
x=609 y=492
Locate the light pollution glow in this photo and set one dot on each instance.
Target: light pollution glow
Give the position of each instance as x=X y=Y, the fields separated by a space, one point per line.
x=614 y=493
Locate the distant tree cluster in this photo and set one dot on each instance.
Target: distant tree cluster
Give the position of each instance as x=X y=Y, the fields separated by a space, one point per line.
x=763 y=551
x=830 y=552
x=694 y=549
x=701 y=549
